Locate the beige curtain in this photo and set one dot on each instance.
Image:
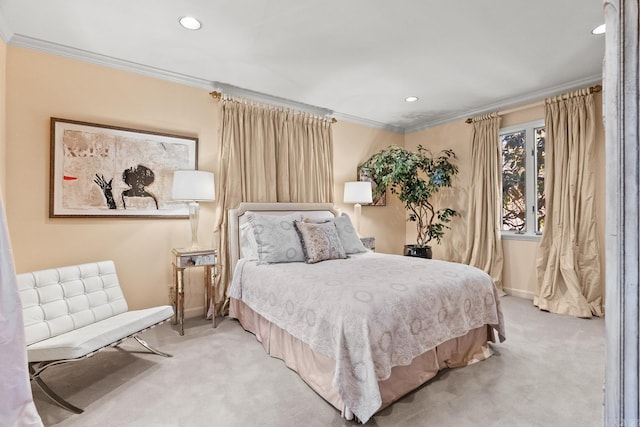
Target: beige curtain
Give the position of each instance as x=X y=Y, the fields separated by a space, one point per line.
x=267 y=154
x=484 y=245
x=568 y=262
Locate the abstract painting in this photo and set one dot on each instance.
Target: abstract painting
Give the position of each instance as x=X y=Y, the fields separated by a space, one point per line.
x=108 y=171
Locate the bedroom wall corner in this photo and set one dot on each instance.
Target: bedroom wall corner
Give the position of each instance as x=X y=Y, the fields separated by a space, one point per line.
x=352 y=145
x=40 y=86
x=455 y=136
x=519 y=271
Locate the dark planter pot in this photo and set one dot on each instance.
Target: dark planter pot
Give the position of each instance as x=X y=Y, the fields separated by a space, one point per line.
x=412 y=250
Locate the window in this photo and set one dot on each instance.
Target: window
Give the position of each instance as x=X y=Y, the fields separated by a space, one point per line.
x=523 y=204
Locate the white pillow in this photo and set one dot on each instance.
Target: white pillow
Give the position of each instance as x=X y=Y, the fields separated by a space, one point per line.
x=248 y=244
x=276 y=237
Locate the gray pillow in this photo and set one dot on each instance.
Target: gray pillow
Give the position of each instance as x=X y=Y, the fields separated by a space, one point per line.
x=276 y=238
x=320 y=241
x=348 y=235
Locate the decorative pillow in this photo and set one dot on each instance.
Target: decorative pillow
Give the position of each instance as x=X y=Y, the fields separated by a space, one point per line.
x=320 y=241
x=346 y=232
x=348 y=235
x=248 y=244
x=276 y=238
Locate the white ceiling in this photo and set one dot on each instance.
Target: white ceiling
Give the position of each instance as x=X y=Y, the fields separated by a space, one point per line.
x=356 y=58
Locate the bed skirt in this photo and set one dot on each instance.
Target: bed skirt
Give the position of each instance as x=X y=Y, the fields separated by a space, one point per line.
x=317 y=370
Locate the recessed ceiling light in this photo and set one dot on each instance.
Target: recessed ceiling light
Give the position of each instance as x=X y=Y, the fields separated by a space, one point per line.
x=190 y=23
x=411 y=98
x=600 y=29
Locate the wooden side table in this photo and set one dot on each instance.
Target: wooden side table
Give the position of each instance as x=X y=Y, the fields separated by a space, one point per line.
x=369 y=243
x=187 y=258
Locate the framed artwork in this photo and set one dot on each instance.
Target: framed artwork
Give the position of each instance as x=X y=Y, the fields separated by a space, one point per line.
x=108 y=171
x=378 y=199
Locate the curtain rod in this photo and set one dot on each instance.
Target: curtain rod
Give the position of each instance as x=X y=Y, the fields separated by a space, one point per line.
x=592 y=89
x=218 y=95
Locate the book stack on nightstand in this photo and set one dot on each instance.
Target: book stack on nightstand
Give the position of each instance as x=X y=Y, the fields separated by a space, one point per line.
x=369 y=243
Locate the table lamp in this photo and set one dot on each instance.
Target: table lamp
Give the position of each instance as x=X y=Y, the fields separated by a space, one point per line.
x=193 y=186
x=358 y=192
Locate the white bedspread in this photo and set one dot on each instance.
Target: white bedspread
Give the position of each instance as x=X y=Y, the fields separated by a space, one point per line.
x=370 y=312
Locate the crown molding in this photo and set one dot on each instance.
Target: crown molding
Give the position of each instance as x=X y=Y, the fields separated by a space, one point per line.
x=368 y=123
x=107 y=61
x=82 y=55
x=270 y=99
x=507 y=103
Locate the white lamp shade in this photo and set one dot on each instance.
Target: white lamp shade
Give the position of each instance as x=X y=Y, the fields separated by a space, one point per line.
x=358 y=192
x=193 y=185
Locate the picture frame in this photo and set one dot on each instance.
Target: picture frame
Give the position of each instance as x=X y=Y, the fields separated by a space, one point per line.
x=378 y=199
x=102 y=171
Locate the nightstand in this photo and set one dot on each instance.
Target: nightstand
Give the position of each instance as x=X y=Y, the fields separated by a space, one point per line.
x=188 y=258
x=369 y=243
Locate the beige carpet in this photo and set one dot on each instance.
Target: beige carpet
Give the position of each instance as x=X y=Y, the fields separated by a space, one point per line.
x=549 y=372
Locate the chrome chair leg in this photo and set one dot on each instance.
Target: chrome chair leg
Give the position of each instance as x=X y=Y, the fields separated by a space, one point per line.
x=151 y=349
x=52 y=394
x=37 y=368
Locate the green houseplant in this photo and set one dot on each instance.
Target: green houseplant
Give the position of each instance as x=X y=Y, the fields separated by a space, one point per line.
x=414 y=177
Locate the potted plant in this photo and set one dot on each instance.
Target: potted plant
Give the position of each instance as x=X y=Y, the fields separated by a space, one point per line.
x=414 y=177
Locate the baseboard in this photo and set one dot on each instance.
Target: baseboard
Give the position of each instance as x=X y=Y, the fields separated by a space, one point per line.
x=519 y=293
x=193 y=312
x=188 y=312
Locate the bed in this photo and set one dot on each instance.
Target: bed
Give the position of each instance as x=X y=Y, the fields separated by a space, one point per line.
x=362 y=329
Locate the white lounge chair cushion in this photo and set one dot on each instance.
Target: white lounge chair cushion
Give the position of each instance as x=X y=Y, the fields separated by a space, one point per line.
x=59 y=300
x=79 y=342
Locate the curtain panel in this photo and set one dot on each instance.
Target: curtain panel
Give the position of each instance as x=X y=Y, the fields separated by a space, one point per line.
x=484 y=244
x=568 y=262
x=16 y=404
x=267 y=154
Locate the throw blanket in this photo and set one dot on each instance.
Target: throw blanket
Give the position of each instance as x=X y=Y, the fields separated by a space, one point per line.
x=370 y=312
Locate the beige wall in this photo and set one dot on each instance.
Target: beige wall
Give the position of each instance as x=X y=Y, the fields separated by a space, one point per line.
x=40 y=86
x=141 y=248
x=519 y=276
x=3 y=117
x=455 y=136
x=352 y=145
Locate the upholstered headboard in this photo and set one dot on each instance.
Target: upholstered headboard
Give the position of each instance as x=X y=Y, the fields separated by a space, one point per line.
x=237 y=218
